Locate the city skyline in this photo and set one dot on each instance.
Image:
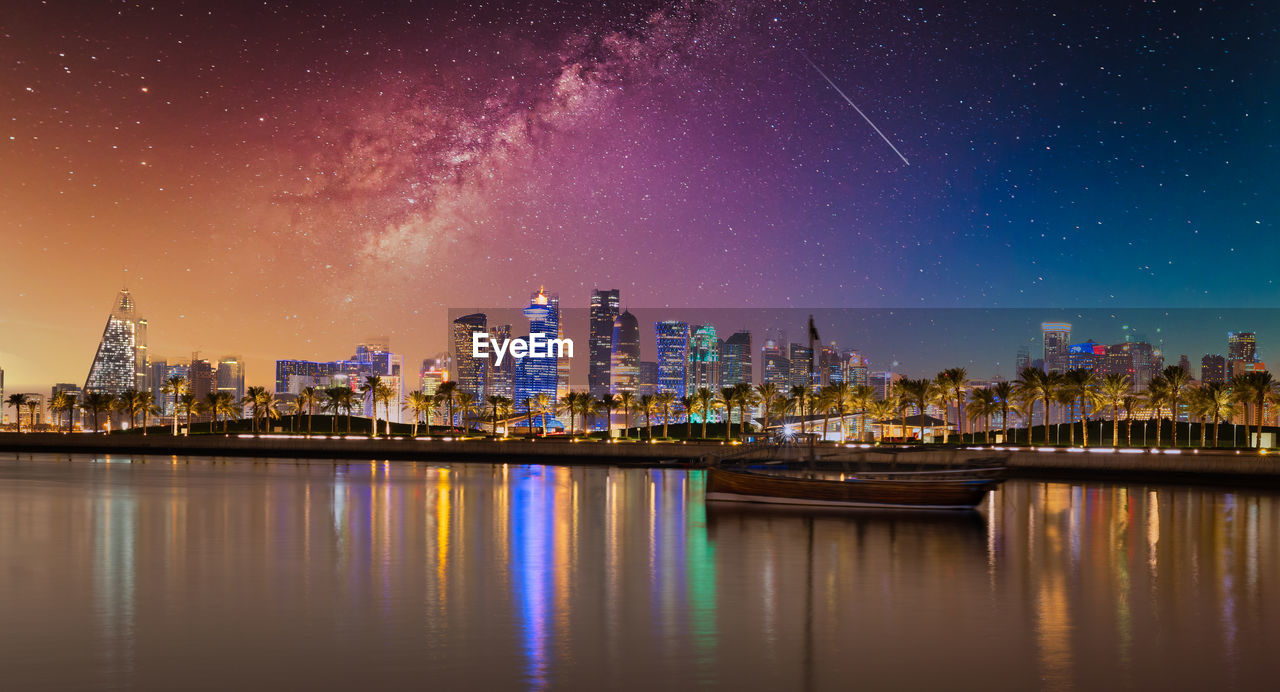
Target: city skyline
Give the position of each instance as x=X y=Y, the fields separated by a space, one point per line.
x=333 y=173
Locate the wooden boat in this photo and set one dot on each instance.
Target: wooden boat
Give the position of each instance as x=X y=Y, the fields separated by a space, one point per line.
x=946 y=489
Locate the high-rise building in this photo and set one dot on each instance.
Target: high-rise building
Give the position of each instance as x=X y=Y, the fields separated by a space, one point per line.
x=604 y=312
x=472 y=372
x=201 y=380
x=704 y=359
x=375 y=358
x=857 y=369
x=1185 y=363
x=121 y=360
x=1057 y=339
x=882 y=384
x=75 y=393
x=830 y=365
x=434 y=372
x=1085 y=356
x=502 y=376
x=292 y=376
x=624 y=357
x=801 y=361
x=1116 y=361
x=1213 y=369
x=775 y=367
x=673 y=356
x=1147 y=361
x=648 y=378
x=536 y=376
x=32 y=416
x=1242 y=346
x=1023 y=360
x=230 y=376
x=735 y=359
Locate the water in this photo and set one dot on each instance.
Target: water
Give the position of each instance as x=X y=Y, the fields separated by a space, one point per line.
x=198 y=573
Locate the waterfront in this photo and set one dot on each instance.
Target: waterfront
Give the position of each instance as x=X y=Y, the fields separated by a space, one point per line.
x=190 y=572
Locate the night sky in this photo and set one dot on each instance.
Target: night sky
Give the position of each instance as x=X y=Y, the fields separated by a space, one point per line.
x=285 y=179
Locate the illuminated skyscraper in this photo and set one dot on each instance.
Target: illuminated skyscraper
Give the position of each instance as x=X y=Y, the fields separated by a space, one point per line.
x=800 y=359
x=434 y=372
x=857 y=369
x=1213 y=368
x=1242 y=346
x=624 y=358
x=648 y=378
x=735 y=359
x=775 y=368
x=1057 y=340
x=471 y=372
x=121 y=360
x=1022 y=361
x=673 y=356
x=536 y=376
x=704 y=359
x=230 y=376
x=201 y=380
x=604 y=312
x=502 y=376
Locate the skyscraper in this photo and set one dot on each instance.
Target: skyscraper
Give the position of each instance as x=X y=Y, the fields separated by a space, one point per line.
x=1213 y=368
x=624 y=359
x=230 y=376
x=472 y=372
x=857 y=369
x=1022 y=361
x=536 y=376
x=648 y=378
x=1242 y=346
x=704 y=359
x=801 y=363
x=502 y=376
x=1057 y=340
x=735 y=359
x=775 y=368
x=604 y=312
x=121 y=360
x=673 y=355
x=201 y=381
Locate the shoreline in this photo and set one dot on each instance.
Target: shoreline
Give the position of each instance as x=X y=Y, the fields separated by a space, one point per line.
x=1097 y=463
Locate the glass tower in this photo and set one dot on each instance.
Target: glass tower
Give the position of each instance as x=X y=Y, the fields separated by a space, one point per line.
x=541 y=375
x=673 y=355
x=604 y=311
x=121 y=360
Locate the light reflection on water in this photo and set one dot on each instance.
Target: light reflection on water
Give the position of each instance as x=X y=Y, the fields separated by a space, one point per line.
x=171 y=572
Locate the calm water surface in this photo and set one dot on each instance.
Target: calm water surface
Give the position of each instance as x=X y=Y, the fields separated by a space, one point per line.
x=189 y=573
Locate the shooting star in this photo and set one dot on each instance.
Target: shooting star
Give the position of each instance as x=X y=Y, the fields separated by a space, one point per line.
x=855 y=107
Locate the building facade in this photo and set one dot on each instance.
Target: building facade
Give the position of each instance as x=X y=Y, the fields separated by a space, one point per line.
x=605 y=306
x=120 y=362
x=673 y=356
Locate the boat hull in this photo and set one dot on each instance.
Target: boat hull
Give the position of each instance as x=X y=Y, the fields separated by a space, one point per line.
x=739 y=486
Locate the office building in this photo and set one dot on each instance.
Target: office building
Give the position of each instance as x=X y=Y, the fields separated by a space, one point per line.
x=1213 y=369
x=624 y=357
x=120 y=362
x=1242 y=346
x=1057 y=340
x=434 y=372
x=536 y=376
x=472 y=372
x=802 y=365
x=501 y=376
x=704 y=359
x=775 y=367
x=648 y=378
x=857 y=369
x=735 y=359
x=230 y=376
x=673 y=356
x=605 y=307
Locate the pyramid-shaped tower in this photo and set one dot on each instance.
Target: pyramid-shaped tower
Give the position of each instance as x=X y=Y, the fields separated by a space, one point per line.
x=121 y=360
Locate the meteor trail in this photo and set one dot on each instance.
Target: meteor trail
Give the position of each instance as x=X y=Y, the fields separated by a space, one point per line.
x=855 y=107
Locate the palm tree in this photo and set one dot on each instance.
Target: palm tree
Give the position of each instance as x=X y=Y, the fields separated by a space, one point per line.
x=1003 y=392
x=213 y=406
x=727 y=399
x=950 y=383
x=665 y=401
x=418 y=403
x=1112 y=391
x=919 y=393
x=253 y=400
x=543 y=405
x=1038 y=384
x=1157 y=397
x=95 y=403
x=494 y=402
x=527 y=404
x=1025 y=406
x=626 y=402
x=1132 y=402
x=445 y=392
x=1218 y=402
x=506 y=407
x=147 y=402
x=801 y=399
x=225 y=404
x=610 y=402
x=880 y=411
x=1176 y=380
x=177 y=386
x=1081 y=386
x=704 y=399
x=587 y=407
x=385 y=393
x=1198 y=406
x=307 y=399
x=59 y=403
x=982 y=403
x=189 y=405
x=768 y=395
x=369 y=391
x=687 y=402
x=33 y=409
x=569 y=404
x=1254 y=387
x=646 y=405
x=17 y=401
x=465 y=403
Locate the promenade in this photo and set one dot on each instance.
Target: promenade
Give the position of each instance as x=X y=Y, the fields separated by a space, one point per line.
x=1094 y=462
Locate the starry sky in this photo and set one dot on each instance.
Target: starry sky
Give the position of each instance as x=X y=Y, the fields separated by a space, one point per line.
x=283 y=180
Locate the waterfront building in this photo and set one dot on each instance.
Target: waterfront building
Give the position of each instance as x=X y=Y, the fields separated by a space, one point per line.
x=120 y=362
x=673 y=356
x=472 y=372
x=624 y=357
x=605 y=307
x=735 y=359
x=1213 y=369
x=704 y=359
x=1057 y=339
